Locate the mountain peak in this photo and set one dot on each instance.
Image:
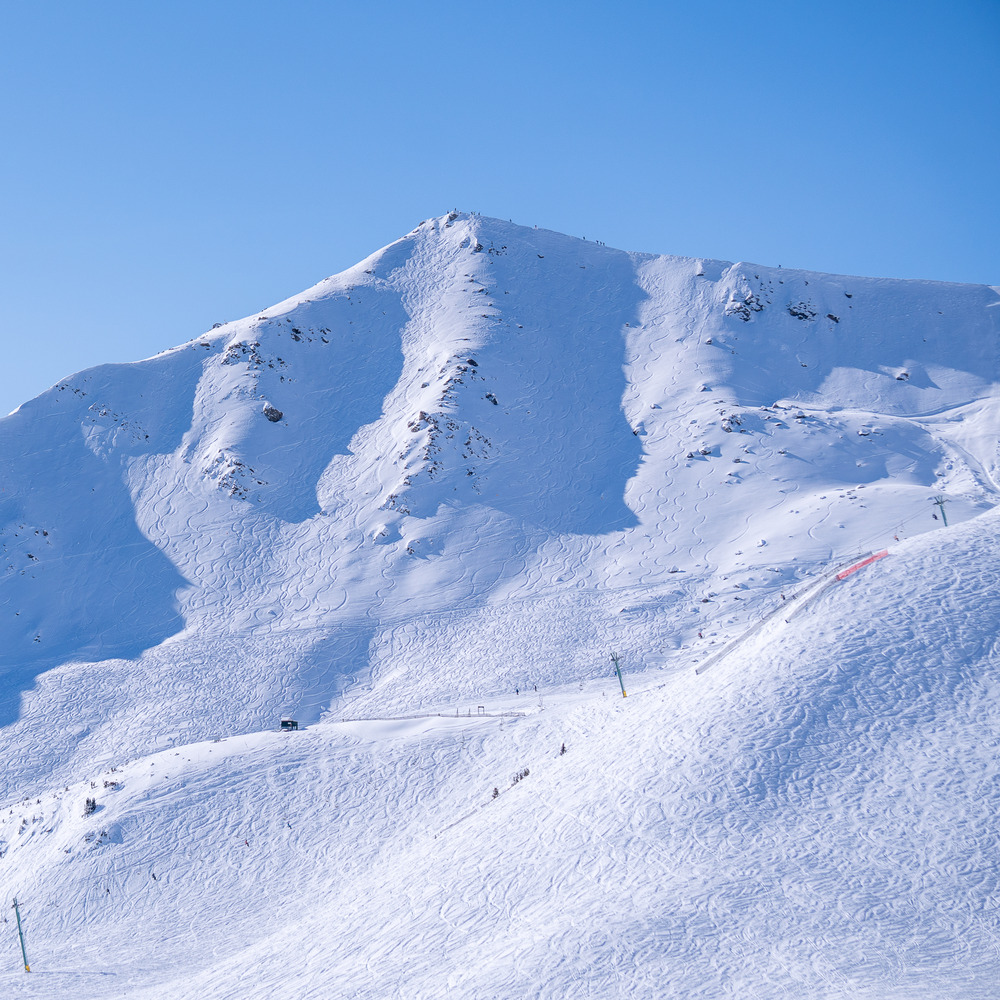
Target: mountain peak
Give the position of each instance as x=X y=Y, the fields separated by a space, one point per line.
x=731 y=526
x=479 y=413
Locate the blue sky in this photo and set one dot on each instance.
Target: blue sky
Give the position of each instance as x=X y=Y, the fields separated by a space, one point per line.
x=166 y=166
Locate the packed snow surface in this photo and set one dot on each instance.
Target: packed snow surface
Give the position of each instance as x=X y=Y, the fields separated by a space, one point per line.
x=417 y=508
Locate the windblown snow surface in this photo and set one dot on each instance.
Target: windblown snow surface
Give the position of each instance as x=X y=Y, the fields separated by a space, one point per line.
x=417 y=508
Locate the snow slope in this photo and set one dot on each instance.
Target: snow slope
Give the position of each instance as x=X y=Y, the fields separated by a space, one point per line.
x=813 y=818
x=478 y=462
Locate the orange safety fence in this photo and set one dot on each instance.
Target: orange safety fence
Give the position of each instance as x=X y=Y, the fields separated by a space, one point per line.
x=864 y=562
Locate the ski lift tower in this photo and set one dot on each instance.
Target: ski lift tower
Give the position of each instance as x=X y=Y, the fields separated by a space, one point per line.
x=616 y=660
x=941 y=501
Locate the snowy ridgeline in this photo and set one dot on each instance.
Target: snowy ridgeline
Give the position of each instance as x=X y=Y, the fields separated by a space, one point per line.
x=472 y=466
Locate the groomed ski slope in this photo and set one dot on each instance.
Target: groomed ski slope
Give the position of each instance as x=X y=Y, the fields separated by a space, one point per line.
x=815 y=817
x=474 y=465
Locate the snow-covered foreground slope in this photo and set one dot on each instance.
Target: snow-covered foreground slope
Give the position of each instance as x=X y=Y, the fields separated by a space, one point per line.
x=813 y=817
x=465 y=470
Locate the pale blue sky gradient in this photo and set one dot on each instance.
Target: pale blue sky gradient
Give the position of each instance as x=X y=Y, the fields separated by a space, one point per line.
x=166 y=166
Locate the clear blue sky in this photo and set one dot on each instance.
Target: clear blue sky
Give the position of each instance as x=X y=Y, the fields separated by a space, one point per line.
x=168 y=165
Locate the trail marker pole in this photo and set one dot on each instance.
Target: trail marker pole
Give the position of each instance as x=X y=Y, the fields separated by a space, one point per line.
x=940 y=501
x=618 y=670
x=20 y=934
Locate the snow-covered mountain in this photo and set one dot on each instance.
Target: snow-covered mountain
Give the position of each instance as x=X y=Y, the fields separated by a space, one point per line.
x=452 y=480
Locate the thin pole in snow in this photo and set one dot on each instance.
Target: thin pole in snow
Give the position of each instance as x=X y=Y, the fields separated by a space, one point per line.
x=20 y=934
x=940 y=501
x=618 y=670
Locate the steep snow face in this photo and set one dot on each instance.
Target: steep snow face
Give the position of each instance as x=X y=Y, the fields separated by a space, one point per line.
x=483 y=456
